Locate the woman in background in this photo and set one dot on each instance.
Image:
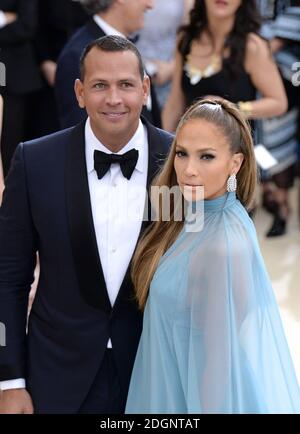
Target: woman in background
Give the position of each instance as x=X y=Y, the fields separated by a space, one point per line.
x=220 y=53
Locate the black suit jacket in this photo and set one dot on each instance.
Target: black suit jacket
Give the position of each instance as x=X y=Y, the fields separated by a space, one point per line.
x=68 y=70
x=17 y=54
x=58 y=21
x=46 y=208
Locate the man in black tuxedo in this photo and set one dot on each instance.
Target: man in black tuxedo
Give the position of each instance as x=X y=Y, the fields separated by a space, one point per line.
x=71 y=200
x=109 y=17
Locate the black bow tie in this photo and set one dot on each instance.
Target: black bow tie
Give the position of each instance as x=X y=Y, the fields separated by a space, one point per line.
x=127 y=161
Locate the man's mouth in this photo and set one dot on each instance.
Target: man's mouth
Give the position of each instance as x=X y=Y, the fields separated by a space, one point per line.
x=114 y=115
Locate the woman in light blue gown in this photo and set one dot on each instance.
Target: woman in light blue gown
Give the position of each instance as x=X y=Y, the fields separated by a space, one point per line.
x=212 y=339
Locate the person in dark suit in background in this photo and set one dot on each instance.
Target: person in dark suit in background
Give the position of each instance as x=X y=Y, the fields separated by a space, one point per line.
x=65 y=198
x=109 y=17
x=1 y=167
x=17 y=28
x=57 y=21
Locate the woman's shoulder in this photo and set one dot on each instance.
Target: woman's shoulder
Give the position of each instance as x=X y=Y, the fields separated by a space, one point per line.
x=257 y=50
x=256 y=44
x=228 y=235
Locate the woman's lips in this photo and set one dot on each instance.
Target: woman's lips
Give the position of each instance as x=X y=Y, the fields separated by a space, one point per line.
x=221 y=3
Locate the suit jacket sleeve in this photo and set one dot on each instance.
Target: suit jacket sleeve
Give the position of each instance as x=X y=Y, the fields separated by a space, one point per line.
x=18 y=245
x=24 y=27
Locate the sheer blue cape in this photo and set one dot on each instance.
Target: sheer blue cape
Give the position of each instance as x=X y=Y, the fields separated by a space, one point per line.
x=212 y=339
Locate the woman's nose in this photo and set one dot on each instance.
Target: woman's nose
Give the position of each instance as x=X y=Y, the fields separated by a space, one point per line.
x=191 y=168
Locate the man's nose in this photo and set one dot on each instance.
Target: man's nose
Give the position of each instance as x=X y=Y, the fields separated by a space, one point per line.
x=113 y=96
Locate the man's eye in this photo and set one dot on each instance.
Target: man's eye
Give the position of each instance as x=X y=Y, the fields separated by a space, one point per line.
x=126 y=84
x=180 y=154
x=207 y=157
x=99 y=86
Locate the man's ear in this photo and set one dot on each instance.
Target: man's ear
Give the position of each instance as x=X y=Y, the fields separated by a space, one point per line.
x=146 y=89
x=78 y=88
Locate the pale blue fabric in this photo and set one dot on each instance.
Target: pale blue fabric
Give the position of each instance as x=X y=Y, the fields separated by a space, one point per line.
x=212 y=339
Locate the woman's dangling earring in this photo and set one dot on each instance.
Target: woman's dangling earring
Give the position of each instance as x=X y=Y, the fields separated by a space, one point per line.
x=231 y=183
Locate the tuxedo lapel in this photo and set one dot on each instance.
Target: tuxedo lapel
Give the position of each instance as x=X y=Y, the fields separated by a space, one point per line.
x=157 y=151
x=83 y=238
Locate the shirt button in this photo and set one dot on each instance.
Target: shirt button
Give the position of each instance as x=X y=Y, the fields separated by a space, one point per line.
x=113 y=250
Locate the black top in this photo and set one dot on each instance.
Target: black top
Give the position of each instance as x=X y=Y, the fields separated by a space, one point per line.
x=16 y=49
x=58 y=20
x=220 y=84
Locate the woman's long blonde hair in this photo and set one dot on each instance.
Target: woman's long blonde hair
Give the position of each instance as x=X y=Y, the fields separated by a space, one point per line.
x=162 y=234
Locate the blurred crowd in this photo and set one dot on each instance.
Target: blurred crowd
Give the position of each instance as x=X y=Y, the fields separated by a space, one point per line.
x=186 y=58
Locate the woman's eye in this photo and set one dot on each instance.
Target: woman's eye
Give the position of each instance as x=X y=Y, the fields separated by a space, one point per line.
x=207 y=157
x=180 y=153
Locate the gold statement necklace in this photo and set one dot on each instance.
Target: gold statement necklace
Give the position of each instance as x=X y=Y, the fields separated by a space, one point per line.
x=196 y=74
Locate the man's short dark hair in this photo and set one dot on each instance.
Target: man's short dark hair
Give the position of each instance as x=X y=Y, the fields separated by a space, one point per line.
x=111 y=44
x=95 y=6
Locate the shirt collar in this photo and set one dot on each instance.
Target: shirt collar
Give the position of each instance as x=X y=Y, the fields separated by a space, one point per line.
x=107 y=28
x=92 y=143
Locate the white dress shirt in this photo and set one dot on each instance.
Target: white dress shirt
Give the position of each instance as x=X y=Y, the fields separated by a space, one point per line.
x=107 y=28
x=118 y=208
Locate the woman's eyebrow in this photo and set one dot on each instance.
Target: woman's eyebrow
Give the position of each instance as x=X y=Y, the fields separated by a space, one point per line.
x=199 y=150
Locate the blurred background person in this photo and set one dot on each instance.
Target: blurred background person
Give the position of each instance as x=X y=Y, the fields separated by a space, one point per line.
x=157 y=42
x=280 y=134
x=57 y=21
x=220 y=53
x=1 y=168
x=17 y=29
